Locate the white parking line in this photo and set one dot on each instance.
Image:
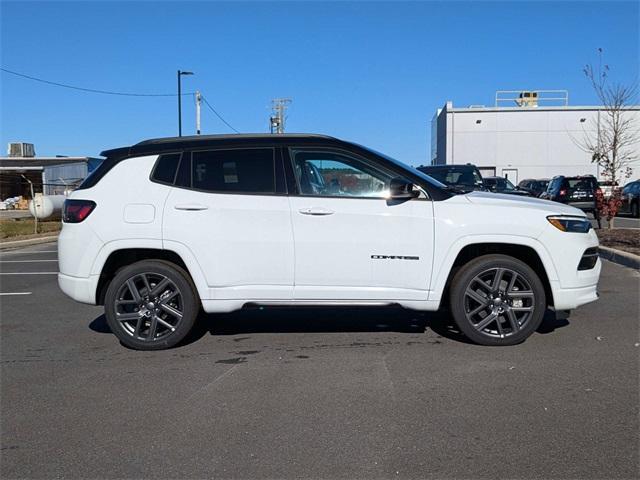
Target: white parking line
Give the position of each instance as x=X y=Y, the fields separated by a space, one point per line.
x=28 y=273
x=19 y=252
x=26 y=261
x=15 y=293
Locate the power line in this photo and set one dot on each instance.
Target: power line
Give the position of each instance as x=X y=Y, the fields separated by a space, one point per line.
x=109 y=92
x=91 y=90
x=217 y=114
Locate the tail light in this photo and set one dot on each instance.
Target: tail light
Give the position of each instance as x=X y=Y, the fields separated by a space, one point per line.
x=75 y=211
x=563 y=192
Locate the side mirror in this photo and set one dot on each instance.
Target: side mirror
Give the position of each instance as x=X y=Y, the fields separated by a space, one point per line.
x=402 y=189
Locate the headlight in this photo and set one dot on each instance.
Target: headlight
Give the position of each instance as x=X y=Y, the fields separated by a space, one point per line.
x=570 y=224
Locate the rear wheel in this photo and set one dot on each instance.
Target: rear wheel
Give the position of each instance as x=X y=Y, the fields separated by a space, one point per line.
x=635 y=211
x=151 y=305
x=497 y=300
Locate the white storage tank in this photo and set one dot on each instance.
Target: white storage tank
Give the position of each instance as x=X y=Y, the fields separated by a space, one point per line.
x=45 y=206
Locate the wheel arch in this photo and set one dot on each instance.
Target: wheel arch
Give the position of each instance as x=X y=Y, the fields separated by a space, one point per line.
x=523 y=252
x=126 y=256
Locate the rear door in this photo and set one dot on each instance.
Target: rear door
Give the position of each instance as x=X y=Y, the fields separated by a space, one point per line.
x=351 y=243
x=229 y=208
x=554 y=188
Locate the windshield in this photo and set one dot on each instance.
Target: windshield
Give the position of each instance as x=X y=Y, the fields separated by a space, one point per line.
x=582 y=184
x=508 y=185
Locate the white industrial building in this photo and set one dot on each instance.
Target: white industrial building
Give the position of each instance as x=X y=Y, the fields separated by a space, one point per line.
x=22 y=170
x=529 y=137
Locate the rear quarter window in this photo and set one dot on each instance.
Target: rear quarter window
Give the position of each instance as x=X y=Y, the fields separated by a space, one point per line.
x=165 y=168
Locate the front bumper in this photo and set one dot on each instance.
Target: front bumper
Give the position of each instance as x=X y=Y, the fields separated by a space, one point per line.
x=80 y=289
x=571 y=287
x=570 y=298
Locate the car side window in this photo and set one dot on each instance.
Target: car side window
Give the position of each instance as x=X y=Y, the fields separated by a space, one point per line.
x=250 y=170
x=165 y=168
x=333 y=174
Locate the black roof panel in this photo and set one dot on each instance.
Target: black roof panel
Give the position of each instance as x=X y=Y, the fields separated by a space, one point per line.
x=235 y=136
x=167 y=144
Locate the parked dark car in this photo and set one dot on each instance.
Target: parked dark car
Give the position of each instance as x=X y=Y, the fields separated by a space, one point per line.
x=503 y=185
x=608 y=188
x=534 y=186
x=579 y=192
x=631 y=199
x=463 y=177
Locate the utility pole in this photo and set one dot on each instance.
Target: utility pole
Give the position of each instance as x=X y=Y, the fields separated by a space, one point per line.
x=180 y=74
x=198 y=102
x=278 y=118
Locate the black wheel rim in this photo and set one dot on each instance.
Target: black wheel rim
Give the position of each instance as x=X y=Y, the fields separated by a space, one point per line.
x=149 y=307
x=499 y=302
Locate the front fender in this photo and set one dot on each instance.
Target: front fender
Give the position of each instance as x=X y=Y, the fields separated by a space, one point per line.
x=444 y=263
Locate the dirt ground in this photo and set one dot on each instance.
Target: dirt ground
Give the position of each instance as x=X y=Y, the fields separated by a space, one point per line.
x=626 y=239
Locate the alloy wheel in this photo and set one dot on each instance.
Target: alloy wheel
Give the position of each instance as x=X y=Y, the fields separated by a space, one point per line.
x=498 y=302
x=149 y=306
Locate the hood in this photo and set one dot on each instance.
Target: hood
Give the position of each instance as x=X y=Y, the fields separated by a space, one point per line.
x=517 y=201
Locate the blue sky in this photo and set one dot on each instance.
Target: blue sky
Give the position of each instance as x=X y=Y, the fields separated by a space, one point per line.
x=371 y=72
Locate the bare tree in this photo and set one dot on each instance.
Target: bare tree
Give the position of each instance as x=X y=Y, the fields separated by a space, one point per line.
x=614 y=146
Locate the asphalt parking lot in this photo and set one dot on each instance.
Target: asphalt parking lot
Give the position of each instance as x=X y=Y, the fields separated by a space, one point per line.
x=281 y=393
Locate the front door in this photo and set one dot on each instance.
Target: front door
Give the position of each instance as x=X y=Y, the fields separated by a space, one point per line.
x=230 y=209
x=351 y=242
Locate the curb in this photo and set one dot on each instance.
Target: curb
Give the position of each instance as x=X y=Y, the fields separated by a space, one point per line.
x=621 y=258
x=27 y=242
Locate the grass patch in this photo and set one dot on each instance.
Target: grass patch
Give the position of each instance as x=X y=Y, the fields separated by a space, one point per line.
x=10 y=229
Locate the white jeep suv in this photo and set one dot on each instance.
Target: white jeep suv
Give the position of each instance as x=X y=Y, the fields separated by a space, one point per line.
x=222 y=222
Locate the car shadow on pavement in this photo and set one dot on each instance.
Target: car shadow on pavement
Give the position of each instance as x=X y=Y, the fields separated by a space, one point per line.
x=100 y=325
x=327 y=320
x=552 y=321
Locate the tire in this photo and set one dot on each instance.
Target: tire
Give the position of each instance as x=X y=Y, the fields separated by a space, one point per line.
x=499 y=313
x=151 y=305
x=635 y=211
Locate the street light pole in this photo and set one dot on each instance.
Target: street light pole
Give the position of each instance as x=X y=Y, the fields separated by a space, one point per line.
x=180 y=73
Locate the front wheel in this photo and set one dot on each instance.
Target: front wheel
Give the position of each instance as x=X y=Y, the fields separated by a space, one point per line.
x=151 y=305
x=497 y=300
